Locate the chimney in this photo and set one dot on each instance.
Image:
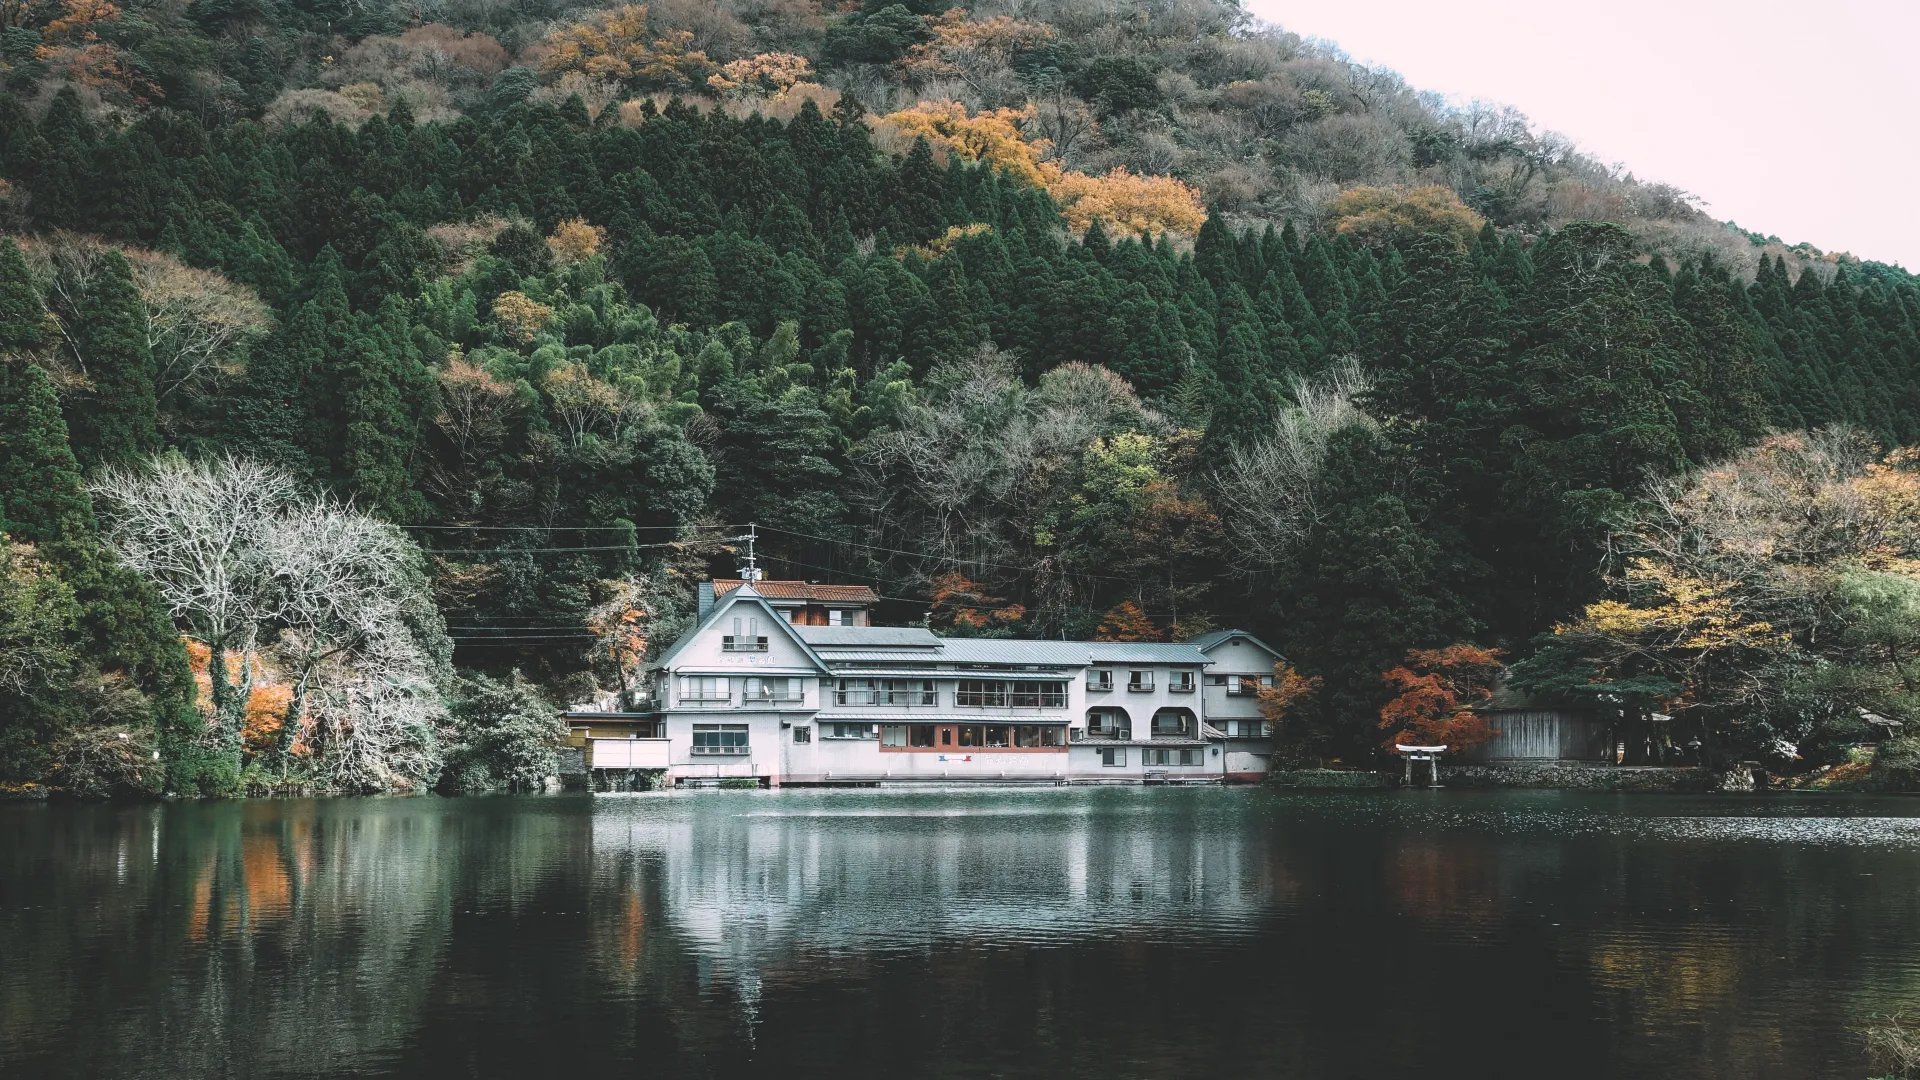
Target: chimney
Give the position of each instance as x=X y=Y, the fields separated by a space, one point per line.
x=706 y=601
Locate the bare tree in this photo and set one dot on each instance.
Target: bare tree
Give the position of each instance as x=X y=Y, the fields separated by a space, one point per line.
x=1268 y=487
x=335 y=600
x=197 y=532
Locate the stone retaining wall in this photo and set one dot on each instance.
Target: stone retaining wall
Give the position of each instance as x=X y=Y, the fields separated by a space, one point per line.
x=1325 y=778
x=1573 y=776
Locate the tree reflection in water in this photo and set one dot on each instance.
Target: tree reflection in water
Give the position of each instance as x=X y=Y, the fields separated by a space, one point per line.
x=1035 y=933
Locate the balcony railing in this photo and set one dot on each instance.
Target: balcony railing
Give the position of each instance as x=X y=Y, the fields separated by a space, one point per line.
x=706 y=700
x=1107 y=733
x=732 y=750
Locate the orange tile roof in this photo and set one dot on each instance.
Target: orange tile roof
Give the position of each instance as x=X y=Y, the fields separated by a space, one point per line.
x=801 y=590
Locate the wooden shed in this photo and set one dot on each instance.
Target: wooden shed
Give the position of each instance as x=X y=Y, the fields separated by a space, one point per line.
x=1531 y=731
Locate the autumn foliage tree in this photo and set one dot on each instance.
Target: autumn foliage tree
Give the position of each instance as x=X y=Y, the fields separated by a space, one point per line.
x=1120 y=200
x=1435 y=694
x=961 y=607
x=618 y=44
x=1126 y=622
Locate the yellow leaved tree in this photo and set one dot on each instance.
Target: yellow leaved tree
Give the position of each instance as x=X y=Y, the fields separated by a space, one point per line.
x=1121 y=201
x=618 y=44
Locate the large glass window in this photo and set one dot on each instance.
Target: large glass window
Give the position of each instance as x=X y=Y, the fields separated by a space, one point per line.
x=759 y=689
x=981 y=692
x=1113 y=756
x=1035 y=736
x=719 y=738
x=893 y=736
x=897 y=692
x=854 y=731
x=920 y=735
x=1040 y=695
x=705 y=689
x=1025 y=694
x=1189 y=756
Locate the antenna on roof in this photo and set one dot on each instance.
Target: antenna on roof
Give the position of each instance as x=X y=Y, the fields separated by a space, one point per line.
x=751 y=571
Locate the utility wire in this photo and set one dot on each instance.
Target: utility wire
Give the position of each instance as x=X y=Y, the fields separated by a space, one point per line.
x=974 y=562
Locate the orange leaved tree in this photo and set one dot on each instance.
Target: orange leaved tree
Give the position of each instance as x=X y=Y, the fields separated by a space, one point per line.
x=962 y=608
x=1126 y=623
x=1284 y=705
x=1437 y=691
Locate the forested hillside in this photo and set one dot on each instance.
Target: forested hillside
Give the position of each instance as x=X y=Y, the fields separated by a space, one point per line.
x=1320 y=359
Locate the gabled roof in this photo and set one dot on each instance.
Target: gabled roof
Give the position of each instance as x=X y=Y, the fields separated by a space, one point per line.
x=801 y=590
x=1208 y=642
x=744 y=594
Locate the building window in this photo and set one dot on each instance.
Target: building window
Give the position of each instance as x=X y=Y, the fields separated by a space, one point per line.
x=1108 y=724
x=1172 y=724
x=705 y=690
x=903 y=692
x=746 y=637
x=1039 y=695
x=1100 y=679
x=1020 y=695
x=1246 y=729
x=1040 y=736
x=719 y=738
x=836 y=617
x=1113 y=756
x=1173 y=757
x=981 y=693
x=773 y=689
x=802 y=734
x=852 y=731
x=1180 y=682
x=1216 y=680
x=1140 y=681
x=893 y=736
x=1247 y=685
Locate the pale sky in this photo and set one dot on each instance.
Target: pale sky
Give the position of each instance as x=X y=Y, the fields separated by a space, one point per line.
x=1800 y=119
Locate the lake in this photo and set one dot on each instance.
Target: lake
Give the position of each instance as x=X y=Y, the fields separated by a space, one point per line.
x=1085 y=932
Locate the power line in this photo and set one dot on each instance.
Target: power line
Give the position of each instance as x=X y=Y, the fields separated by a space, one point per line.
x=583 y=547
x=975 y=562
x=572 y=528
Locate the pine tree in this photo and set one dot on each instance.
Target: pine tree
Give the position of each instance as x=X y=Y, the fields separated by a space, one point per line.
x=118 y=421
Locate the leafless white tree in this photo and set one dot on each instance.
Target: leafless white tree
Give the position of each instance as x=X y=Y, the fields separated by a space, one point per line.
x=334 y=598
x=197 y=531
x=1268 y=487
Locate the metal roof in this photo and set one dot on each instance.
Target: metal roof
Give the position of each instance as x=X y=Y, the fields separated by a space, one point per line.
x=889 y=637
x=1207 y=641
x=1144 y=652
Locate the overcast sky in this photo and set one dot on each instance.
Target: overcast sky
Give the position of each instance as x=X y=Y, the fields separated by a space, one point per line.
x=1800 y=120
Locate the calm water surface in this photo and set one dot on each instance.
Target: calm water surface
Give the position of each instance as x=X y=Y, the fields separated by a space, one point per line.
x=1099 y=933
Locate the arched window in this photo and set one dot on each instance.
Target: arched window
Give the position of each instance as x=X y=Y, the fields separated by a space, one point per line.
x=1109 y=723
x=1175 y=724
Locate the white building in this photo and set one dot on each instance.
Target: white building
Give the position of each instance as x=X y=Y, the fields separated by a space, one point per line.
x=752 y=692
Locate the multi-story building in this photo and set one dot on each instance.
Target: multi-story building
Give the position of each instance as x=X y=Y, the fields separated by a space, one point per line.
x=752 y=691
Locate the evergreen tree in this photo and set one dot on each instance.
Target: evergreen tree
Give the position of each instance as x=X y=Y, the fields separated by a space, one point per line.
x=119 y=420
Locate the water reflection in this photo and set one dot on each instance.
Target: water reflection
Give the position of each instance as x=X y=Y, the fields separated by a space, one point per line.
x=1034 y=933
